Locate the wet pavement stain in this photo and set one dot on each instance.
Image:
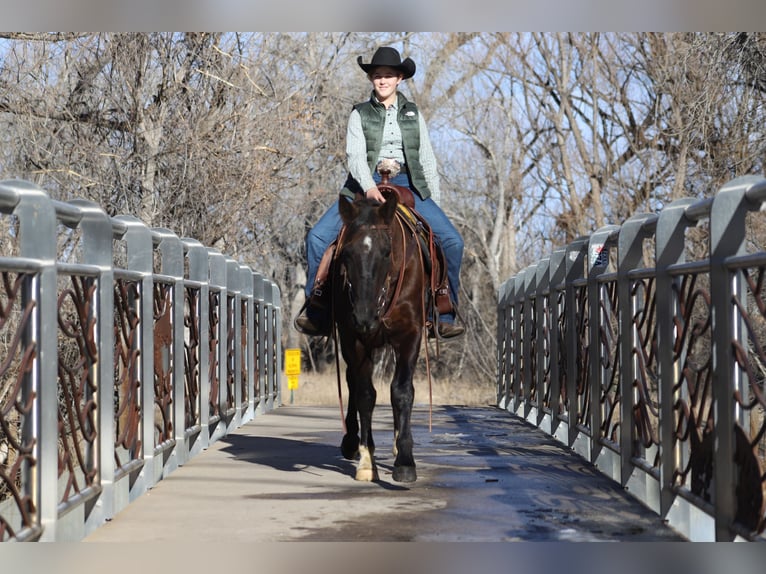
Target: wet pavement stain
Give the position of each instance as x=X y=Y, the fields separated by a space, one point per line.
x=509 y=483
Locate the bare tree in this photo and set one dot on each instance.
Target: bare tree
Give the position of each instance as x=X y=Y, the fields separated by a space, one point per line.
x=239 y=139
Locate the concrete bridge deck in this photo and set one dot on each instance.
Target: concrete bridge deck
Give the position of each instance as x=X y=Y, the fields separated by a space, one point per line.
x=484 y=475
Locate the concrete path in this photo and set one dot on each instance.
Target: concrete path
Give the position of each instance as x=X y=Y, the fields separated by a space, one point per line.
x=483 y=476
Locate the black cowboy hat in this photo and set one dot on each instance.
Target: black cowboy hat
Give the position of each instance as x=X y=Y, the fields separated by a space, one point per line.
x=389 y=57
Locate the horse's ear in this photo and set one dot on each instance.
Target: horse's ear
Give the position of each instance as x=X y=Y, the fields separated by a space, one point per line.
x=388 y=209
x=347 y=209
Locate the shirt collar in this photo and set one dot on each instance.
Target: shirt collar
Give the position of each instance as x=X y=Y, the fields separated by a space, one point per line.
x=394 y=106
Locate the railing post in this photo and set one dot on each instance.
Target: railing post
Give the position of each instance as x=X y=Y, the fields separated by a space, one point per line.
x=517 y=386
x=276 y=299
x=598 y=262
x=511 y=326
x=727 y=238
x=630 y=253
x=528 y=375
x=37 y=240
x=96 y=229
x=268 y=316
x=172 y=265
x=233 y=292
x=138 y=239
x=217 y=265
x=556 y=277
x=199 y=274
x=246 y=283
x=670 y=250
x=575 y=270
x=258 y=297
x=503 y=348
x=542 y=291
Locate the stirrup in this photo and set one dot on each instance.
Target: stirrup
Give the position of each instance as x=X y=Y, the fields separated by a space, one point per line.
x=313 y=317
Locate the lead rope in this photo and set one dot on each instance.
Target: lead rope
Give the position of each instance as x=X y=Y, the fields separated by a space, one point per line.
x=337 y=370
x=334 y=328
x=425 y=343
x=428 y=365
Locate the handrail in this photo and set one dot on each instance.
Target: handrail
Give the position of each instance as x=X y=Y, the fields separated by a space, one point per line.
x=140 y=363
x=650 y=368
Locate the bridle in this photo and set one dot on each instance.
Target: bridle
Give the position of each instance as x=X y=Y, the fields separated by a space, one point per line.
x=384 y=289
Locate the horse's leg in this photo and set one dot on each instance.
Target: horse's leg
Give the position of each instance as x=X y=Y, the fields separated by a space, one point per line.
x=361 y=394
x=366 y=469
x=402 y=396
x=349 y=446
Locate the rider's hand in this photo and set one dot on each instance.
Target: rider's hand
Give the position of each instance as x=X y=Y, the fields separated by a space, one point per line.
x=374 y=193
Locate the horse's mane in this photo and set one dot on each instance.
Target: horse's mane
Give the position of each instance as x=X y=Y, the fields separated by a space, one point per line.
x=365 y=212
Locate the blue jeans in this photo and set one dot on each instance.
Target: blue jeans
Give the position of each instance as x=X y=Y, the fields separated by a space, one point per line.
x=327 y=228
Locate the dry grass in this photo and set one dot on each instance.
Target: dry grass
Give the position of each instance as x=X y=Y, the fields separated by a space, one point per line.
x=321 y=389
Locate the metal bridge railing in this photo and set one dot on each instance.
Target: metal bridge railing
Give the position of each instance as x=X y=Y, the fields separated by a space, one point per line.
x=643 y=348
x=124 y=351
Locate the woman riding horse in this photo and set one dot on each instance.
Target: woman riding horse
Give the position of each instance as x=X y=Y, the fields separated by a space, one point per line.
x=386 y=126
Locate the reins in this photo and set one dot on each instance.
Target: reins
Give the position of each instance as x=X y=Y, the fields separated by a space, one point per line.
x=337 y=368
x=400 y=280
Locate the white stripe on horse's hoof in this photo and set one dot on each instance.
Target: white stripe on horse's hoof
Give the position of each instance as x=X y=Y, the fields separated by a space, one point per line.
x=366 y=470
x=367 y=474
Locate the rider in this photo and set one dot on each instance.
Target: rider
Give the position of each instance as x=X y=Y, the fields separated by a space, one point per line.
x=386 y=126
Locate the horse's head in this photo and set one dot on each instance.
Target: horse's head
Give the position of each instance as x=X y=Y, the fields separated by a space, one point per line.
x=364 y=260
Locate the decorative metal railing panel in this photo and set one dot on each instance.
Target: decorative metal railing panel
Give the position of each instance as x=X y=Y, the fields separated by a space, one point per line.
x=749 y=350
x=17 y=442
x=128 y=453
x=693 y=400
x=558 y=378
x=214 y=356
x=78 y=353
x=121 y=357
x=192 y=352
x=658 y=357
x=643 y=352
x=231 y=351
x=582 y=357
x=609 y=387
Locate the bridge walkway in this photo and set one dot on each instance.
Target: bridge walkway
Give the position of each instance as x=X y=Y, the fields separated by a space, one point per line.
x=484 y=475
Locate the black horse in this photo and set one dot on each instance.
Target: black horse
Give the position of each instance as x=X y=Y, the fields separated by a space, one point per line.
x=379 y=299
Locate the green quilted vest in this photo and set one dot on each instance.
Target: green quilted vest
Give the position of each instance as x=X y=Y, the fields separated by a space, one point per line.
x=373 y=117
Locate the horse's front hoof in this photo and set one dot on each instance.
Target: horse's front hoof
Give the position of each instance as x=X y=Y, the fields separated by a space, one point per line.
x=367 y=474
x=349 y=446
x=405 y=474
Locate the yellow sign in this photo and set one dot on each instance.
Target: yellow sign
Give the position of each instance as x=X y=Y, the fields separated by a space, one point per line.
x=292 y=361
x=292 y=382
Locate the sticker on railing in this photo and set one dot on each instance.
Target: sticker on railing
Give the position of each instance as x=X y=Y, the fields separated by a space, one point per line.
x=598 y=256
